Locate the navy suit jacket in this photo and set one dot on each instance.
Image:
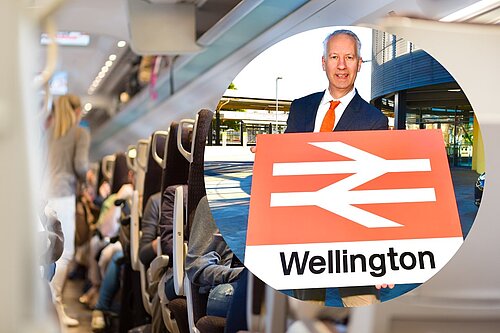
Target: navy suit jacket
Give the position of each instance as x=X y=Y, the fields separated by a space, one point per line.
x=358 y=116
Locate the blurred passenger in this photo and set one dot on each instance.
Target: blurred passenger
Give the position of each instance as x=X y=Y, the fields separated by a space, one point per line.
x=87 y=214
x=94 y=245
x=103 y=192
x=105 y=244
x=109 y=288
x=68 y=149
x=338 y=108
x=166 y=226
x=208 y=266
x=150 y=230
x=147 y=253
x=114 y=209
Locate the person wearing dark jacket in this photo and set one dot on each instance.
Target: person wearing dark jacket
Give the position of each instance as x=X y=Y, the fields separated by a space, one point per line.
x=338 y=108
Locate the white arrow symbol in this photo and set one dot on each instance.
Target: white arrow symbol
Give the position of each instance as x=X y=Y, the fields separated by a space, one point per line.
x=339 y=197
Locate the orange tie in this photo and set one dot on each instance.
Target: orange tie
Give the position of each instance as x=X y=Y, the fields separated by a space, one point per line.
x=329 y=120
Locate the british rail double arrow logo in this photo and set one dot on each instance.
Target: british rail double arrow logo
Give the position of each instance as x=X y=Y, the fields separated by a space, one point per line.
x=351 y=209
x=364 y=167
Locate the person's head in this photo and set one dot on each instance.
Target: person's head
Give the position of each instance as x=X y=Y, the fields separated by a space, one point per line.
x=66 y=114
x=341 y=61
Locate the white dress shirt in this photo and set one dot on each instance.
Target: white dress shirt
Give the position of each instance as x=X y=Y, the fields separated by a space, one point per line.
x=324 y=105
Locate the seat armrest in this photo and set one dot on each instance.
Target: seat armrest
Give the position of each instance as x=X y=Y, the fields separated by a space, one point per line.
x=158 y=266
x=134 y=232
x=179 y=245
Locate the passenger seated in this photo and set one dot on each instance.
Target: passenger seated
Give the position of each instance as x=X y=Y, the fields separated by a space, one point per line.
x=111 y=255
x=147 y=253
x=87 y=214
x=208 y=266
x=166 y=227
x=107 y=228
x=109 y=288
x=150 y=230
x=102 y=194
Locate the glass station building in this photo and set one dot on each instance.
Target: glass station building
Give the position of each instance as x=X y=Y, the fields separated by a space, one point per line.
x=410 y=86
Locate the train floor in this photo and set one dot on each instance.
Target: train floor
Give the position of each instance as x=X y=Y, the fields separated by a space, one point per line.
x=74 y=289
x=72 y=292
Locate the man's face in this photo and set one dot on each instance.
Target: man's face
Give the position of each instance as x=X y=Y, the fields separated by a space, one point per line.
x=342 y=64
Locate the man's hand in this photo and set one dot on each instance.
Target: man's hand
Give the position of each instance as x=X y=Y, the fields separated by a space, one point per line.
x=385 y=285
x=253 y=149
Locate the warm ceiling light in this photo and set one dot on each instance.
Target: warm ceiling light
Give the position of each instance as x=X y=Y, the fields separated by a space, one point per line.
x=124 y=97
x=87 y=107
x=112 y=57
x=101 y=75
x=104 y=69
x=108 y=63
x=121 y=43
x=132 y=153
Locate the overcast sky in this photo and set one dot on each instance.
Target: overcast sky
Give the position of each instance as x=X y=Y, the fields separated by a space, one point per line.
x=297 y=60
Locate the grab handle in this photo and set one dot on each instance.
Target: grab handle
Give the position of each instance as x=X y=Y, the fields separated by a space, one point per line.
x=130 y=158
x=107 y=166
x=183 y=151
x=156 y=157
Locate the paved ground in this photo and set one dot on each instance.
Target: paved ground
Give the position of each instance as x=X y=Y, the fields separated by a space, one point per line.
x=464 y=181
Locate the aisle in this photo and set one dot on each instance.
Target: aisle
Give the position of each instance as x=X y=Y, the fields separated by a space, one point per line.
x=72 y=291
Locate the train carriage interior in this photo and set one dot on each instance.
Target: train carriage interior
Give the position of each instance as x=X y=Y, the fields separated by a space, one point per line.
x=156 y=81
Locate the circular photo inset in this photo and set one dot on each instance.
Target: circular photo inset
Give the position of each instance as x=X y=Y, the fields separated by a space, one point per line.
x=339 y=167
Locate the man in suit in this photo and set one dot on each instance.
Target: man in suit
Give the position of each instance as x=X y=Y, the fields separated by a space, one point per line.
x=341 y=62
x=313 y=113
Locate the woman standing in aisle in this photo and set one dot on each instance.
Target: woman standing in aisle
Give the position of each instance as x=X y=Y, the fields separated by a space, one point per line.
x=67 y=156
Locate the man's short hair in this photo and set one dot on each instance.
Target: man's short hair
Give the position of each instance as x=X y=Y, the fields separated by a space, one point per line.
x=342 y=32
